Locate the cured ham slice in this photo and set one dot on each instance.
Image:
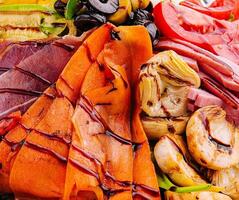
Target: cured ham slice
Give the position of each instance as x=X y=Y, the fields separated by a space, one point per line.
x=12 y=54
x=199 y=98
x=22 y=85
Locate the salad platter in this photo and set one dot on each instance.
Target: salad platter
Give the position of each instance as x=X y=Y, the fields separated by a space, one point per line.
x=119 y=99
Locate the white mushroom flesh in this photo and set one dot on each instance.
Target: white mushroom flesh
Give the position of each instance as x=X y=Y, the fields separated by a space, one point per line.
x=171 y=161
x=212 y=140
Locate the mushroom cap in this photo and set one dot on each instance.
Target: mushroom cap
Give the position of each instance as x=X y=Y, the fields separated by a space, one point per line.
x=212 y=141
x=229 y=180
x=170 y=159
x=155 y=127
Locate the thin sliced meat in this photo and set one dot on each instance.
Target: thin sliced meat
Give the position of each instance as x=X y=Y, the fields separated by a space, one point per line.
x=14 y=139
x=199 y=98
x=49 y=141
x=20 y=86
x=230 y=83
x=191 y=62
x=215 y=88
x=197 y=55
x=14 y=53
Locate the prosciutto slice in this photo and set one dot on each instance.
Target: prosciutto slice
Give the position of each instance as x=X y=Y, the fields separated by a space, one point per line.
x=25 y=82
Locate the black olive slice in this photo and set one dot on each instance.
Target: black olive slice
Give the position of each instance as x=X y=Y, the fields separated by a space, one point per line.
x=88 y=21
x=107 y=7
x=60 y=7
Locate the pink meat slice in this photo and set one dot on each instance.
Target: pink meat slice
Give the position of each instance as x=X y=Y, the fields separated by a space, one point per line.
x=14 y=53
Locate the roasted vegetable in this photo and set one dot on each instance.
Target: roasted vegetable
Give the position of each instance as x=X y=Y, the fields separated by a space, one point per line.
x=164 y=84
x=121 y=15
x=169 y=154
x=31 y=21
x=155 y=127
x=211 y=139
x=229 y=179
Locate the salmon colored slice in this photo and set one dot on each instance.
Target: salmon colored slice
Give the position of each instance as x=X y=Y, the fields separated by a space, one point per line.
x=138 y=47
x=12 y=142
x=74 y=72
x=9 y=122
x=131 y=48
x=40 y=166
x=16 y=136
x=100 y=161
x=138 y=42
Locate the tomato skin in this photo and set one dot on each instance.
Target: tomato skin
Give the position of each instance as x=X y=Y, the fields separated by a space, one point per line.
x=218 y=36
x=175 y=21
x=220 y=9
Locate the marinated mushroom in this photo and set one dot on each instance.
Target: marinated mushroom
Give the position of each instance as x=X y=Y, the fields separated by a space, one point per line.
x=156 y=127
x=168 y=153
x=164 y=85
x=229 y=179
x=195 y=196
x=106 y=7
x=212 y=140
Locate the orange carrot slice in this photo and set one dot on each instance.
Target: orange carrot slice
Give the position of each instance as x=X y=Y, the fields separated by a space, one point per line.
x=12 y=142
x=100 y=159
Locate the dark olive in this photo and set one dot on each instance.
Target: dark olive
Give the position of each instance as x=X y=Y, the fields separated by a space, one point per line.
x=145 y=18
x=141 y=14
x=150 y=7
x=60 y=7
x=106 y=7
x=88 y=21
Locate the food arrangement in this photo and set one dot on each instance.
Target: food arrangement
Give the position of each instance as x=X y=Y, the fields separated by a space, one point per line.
x=119 y=99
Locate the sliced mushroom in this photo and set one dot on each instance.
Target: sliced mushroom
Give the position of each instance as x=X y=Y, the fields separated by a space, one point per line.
x=106 y=7
x=196 y=196
x=212 y=140
x=170 y=159
x=229 y=179
x=156 y=127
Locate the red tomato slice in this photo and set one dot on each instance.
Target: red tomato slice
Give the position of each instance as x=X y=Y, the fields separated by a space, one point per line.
x=217 y=36
x=220 y=9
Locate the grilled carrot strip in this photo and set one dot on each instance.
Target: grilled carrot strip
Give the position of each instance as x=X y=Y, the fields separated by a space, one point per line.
x=100 y=160
x=14 y=139
x=144 y=172
x=70 y=80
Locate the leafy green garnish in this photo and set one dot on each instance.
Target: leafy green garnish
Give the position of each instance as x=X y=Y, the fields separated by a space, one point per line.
x=70 y=8
x=166 y=184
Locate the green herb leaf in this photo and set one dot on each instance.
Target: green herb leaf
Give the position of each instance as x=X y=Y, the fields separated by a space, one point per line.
x=195 y=188
x=164 y=182
x=70 y=9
